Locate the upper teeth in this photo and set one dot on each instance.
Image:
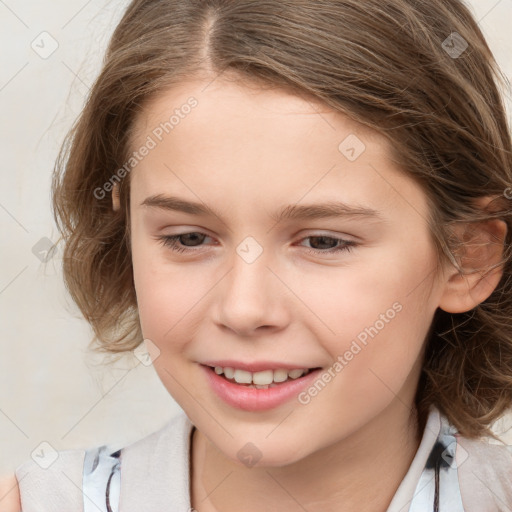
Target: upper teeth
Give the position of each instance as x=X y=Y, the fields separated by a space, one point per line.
x=259 y=378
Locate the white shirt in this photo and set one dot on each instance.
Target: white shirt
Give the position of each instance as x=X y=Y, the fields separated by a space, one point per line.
x=153 y=475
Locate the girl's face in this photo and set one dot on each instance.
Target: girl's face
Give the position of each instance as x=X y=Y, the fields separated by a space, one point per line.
x=275 y=270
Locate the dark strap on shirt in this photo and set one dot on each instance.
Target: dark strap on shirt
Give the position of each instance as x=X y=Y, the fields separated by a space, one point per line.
x=437 y=489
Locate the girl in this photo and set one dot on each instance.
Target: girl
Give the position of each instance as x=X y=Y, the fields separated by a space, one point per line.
x=299 y=212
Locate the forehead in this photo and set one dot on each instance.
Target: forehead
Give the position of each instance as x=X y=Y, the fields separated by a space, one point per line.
x=228 y=101
x=248 y=142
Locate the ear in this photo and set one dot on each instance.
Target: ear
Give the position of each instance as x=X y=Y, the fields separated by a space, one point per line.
x=482 y=246
x=116 y=204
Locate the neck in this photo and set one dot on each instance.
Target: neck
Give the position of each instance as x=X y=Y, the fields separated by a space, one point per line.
x=359 y=472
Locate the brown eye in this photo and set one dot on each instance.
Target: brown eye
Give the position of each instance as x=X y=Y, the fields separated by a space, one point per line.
x=192 y=239
x=328 y=244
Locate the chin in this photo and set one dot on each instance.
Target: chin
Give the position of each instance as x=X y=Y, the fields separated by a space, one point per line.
x=261 y=455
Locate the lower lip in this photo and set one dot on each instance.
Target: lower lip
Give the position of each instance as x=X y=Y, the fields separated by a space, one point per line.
x=253 y=399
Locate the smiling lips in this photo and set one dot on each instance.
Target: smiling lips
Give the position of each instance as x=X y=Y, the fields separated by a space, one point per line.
x=258 y=390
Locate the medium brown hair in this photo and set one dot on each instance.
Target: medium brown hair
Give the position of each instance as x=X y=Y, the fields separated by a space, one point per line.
x=399 y=67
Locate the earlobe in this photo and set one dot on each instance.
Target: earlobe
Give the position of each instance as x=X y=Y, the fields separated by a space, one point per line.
x=482 y=247
x=115 y=197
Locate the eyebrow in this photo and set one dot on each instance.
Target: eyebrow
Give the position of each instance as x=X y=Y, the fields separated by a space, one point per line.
x=329 y=209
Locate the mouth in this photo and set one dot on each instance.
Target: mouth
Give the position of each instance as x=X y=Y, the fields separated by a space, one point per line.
x=265 y=379
x=261 y=390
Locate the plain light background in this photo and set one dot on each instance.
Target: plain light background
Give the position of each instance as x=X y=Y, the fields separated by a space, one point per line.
x=51 y=390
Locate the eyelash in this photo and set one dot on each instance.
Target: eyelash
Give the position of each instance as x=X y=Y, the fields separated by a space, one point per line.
x=347 y=245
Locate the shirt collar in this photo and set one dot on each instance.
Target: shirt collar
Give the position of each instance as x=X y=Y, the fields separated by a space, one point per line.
x=432 y=481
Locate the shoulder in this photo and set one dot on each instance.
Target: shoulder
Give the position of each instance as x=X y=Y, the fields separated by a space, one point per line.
x=57 y=478
x=53 y=477
x=161 y=462
x=9 y=494
x=485 y=472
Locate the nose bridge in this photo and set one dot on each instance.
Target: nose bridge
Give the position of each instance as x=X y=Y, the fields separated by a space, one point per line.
x=250 y=273
x=249 y=297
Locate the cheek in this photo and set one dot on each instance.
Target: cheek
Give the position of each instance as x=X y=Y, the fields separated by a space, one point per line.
x=165 y=298
x=168 y=295
x=369 y=289
x=378 y=314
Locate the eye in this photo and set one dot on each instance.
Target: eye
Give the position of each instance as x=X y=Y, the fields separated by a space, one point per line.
x=320 y=243
x=188 y=239
x=335 y=244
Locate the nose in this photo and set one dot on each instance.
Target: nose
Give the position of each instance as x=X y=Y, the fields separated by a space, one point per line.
x=252 y=298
